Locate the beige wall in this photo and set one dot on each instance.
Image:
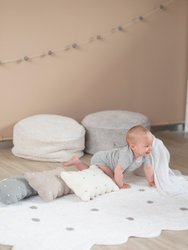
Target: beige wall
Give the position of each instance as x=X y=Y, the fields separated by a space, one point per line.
x=143 y=69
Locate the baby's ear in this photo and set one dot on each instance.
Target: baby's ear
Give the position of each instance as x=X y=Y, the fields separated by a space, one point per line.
x=131 y=145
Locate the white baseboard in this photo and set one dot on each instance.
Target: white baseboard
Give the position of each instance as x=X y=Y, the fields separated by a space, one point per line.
x=172 y=127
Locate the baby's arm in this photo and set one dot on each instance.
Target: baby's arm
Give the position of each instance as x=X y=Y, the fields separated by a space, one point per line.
x=149 y=173
x=118 y=177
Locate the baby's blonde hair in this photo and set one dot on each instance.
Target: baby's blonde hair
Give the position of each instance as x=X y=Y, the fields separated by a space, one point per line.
x=136 y=132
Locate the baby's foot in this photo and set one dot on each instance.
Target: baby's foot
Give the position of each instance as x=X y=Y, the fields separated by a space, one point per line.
x=125 y=185
x=73 y=161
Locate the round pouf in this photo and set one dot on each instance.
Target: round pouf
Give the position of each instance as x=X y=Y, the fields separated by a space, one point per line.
x=107 y=129
x=52 y=138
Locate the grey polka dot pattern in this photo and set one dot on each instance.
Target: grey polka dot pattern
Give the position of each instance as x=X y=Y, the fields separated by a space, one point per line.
x=184 y=208
x=150 y=202
x=14 y=189
x=94 y=209
x=130 y=218
x=35 y=219
x=33 y=207
x=70 y=228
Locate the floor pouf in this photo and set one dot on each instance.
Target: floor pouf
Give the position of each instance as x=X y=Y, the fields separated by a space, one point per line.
x=52 y=138
x=107 y=129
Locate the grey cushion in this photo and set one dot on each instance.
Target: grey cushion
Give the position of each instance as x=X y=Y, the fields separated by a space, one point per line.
x=107 y=129
x=15 y=189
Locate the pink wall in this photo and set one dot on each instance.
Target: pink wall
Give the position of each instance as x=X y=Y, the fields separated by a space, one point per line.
x=143 y=69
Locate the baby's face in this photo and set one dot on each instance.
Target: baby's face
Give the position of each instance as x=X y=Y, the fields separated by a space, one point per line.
x=143 y=146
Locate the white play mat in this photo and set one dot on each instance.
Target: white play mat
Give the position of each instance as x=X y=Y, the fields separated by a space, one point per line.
x=71 y=224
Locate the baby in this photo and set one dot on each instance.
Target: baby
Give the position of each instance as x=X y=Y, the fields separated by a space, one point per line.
x=116 y=162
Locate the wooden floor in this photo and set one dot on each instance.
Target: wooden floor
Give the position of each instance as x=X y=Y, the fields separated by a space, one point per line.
x=176 y=142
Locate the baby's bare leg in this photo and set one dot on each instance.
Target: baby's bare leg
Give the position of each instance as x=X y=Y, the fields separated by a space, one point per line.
x=107 y=171
x=75 y=161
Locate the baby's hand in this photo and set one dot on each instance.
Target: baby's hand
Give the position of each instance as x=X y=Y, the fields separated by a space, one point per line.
x=152 y=184
x=126 y=185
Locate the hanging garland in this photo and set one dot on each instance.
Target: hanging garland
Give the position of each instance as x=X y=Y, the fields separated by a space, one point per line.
x=98 y=37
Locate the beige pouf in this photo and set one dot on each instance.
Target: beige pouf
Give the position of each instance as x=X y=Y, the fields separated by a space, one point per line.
x=52 y=138
x=107 y=129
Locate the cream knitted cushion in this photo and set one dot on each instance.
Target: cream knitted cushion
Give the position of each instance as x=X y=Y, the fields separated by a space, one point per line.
x=48 y=138
x=107 y=129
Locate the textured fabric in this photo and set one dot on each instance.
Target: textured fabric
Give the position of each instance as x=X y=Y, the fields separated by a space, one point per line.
x=107 y=129
x=15 y=189
x=48 y=183
x=48 y=138
x=123 y=156
x=89 y=183
x=68 y=223
x=166 y=180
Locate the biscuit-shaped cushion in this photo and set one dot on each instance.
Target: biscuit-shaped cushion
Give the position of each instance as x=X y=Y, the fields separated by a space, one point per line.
x=48 y=183
x=15 y=189
x=89 y=183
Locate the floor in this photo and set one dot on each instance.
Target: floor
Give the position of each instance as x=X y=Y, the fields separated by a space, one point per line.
x=176 y=142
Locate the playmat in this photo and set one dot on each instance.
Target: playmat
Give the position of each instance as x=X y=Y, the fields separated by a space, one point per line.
x=71 y=224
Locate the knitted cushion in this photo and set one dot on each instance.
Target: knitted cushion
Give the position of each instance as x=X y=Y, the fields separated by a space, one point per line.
x=107 y=129
x=48 y=183
x=89 y=183
x=14 y=189
x=48 y=138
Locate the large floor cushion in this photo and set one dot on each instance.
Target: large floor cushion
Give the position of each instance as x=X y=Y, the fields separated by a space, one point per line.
x=107 y=129
x=52 y=138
